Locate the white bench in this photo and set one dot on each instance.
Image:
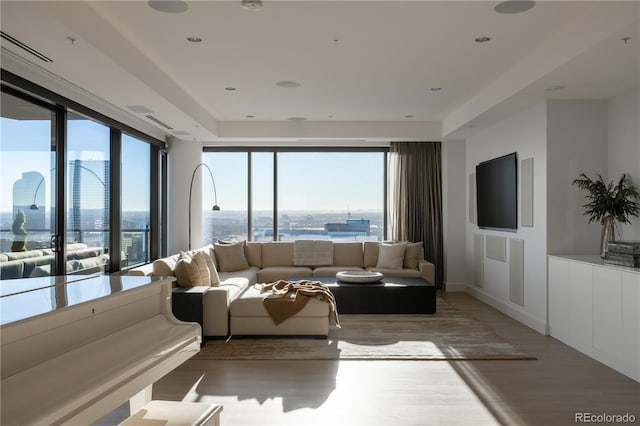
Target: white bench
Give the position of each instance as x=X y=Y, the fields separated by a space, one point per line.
x=176 y=413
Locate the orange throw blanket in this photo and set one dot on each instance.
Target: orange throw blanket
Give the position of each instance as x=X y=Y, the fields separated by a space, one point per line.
x=287 y=298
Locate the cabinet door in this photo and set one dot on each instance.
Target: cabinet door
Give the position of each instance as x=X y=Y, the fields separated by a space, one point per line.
x=559 y=299
x=581 y=306
x=607 y=315
x=631 y=324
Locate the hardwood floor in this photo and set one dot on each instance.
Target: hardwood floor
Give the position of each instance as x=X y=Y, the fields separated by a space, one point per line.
x=547 y=391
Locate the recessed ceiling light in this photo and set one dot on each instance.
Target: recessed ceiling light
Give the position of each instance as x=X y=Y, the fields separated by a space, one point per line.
x=554 y=88
x=168 y=6
x=288 y=83
x=435 y=89
x=482 y=39
x=510 y=7
x=230 y=89
x=297 y=118
x=194 y=39
x=252 y=5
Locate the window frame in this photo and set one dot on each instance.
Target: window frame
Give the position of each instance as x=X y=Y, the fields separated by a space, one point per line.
x=315 y=149
x=17 y=86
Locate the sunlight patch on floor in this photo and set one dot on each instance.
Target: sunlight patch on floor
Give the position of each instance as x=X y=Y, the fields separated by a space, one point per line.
x=357 y=397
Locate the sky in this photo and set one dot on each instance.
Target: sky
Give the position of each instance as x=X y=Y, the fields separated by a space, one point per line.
x=25 y=146
x=306 y=181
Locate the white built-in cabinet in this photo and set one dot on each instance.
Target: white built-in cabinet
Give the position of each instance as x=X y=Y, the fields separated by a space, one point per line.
x=595 y=308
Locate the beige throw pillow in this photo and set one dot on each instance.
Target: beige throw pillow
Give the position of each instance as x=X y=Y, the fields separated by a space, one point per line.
x=230 y=257
x=391 y=256
x=412 y=255
x=200 y=260
x=187 y=272
x=214 y=279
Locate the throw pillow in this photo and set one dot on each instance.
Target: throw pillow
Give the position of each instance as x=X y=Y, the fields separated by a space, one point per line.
x=187 y=272
x=412 y=255
x=230 y=257
x=200 y=260
x=391 y=256
x=214 y=279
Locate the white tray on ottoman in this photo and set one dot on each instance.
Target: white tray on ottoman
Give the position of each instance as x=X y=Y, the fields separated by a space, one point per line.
x=359 y=276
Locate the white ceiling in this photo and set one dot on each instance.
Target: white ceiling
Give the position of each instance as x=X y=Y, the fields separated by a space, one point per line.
x=389 y=55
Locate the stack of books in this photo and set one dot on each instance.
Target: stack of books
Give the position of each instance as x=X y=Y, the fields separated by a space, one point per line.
x=623 y=253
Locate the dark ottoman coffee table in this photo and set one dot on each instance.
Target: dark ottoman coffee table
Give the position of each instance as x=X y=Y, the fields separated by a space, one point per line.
x=392 y=295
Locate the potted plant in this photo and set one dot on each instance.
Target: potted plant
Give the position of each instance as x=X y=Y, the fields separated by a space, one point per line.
x=609 y=204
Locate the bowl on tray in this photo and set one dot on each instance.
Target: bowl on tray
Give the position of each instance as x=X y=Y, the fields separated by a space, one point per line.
x=359 y=276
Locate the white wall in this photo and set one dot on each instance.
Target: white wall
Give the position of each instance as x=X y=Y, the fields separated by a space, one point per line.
x=454 y=214
x=184 y=156
x=524 y=133
x=577 y=143
x=623 y=149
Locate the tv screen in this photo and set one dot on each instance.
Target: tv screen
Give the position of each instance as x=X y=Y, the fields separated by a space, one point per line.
x=497 y=193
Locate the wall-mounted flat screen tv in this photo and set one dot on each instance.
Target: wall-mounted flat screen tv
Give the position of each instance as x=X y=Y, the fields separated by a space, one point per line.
x=497 y=193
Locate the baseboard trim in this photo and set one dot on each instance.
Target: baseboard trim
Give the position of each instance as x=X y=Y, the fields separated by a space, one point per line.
x=514 y=312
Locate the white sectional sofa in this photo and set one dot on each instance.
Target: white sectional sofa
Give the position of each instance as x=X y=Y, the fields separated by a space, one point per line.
x=81 y=259
x=242 y=265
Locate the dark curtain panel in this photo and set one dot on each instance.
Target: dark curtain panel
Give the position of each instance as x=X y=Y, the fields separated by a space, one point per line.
x=416 y=202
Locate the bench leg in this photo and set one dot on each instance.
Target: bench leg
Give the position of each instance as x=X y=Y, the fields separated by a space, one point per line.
x=140 y=399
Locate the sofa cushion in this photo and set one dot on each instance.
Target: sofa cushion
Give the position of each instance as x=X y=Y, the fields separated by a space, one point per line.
x=33 y=262
x=18 y=255
x=188 y=273
x=253 y=252
x=87 y=266
x=230 y=257
x=12 y=269
x=236 y=282
x=348 y=254
x=312 y=253
x=84 y=253
x=277 y=253
x=250 y=275
x=331 y=271
x=391 y=256
x=412 y=255
x=199 y=258
x=275 y=273
x=214 y=279
x=165 y=267
x=370 y=253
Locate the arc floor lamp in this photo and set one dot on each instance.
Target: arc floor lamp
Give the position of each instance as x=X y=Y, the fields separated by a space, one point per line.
x=215 y=194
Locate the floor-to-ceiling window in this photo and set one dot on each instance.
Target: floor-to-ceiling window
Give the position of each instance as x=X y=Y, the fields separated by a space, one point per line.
x=27 y=186
x=337 y=195
x=87 y=189
x=331 y=195
x=135 y=201
x=230 y=223
x=262 y=196
x=80 y=192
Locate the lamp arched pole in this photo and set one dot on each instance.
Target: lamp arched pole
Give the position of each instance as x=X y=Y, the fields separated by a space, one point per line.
x=215 y=194
x=34 y=206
